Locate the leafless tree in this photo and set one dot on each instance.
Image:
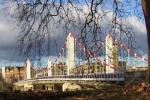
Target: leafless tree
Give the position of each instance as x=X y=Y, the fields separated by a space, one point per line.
x=40 y=20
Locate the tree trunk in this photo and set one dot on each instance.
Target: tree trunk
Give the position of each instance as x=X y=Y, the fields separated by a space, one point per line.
x=146 y=10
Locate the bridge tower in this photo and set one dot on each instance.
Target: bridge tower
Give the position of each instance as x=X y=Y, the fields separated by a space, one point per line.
x=28 y=69
x=111 y=54
x=49 y=67
x=70 y=54
x=115 y=56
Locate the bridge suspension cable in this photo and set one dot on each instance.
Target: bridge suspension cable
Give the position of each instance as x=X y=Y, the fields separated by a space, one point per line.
x=94 y=56
x=85 y=50
x=132 y=52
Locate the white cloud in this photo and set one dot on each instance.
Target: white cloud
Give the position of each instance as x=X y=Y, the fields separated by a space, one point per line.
x=8 y=32
x=137 y=24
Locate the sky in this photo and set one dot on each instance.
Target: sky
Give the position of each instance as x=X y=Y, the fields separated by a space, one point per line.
x=9 y=31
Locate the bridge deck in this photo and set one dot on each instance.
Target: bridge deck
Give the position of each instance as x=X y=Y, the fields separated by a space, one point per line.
x=92 y=77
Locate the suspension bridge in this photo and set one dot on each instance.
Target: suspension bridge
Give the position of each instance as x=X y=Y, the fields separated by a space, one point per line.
x=71 y=65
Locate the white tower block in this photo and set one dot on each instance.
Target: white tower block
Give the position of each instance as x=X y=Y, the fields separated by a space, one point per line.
x=3 y=72
x=70 y=54
x=109 y=54
x=49 y=68
x=28 y=70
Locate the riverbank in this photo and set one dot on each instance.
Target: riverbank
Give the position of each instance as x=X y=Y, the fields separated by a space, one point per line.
x=132 y=92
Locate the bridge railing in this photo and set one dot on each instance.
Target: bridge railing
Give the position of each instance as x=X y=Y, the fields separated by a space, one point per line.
x=101 y=77
x=89 y=77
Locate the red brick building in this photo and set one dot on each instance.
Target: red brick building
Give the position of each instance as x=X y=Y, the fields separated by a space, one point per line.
x=14 y=74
